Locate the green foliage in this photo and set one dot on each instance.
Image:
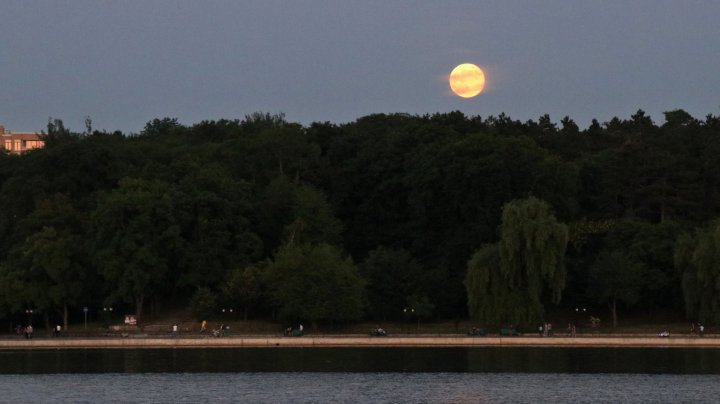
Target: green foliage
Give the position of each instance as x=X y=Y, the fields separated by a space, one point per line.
x=296 y=213
x=50 y=263
x=392 y=277
x=244 y=288
x=486 y=289
x=698 y=259
x=137 y=238
x=532 y=249
x=270 y=151
x=57 y=279
x=203 y=303
x=615 y=278
x=213 y=211
x=56 y=132
x=316 y=283
x=176 y=208
x=421 y=306
x=581 y=231
x=505 y=282
x=491 y=300
x=158 y=127
x=12 y=294
x=683 y=260
x=652 y=245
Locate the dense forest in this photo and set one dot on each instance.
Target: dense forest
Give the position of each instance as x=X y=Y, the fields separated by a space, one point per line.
x=446 y=216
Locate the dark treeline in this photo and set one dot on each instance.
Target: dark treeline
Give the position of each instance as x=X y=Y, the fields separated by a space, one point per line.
x=435 y=217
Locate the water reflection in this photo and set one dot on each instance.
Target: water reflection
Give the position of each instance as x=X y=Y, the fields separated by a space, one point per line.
x=364 y=360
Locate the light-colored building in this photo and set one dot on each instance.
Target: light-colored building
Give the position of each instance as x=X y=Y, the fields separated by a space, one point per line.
x=18 y=142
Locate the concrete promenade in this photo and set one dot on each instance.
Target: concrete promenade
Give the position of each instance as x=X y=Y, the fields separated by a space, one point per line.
x=358 y=341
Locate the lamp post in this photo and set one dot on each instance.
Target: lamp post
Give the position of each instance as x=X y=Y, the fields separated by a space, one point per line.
x=107 y=311
x=408 y=312
x=579 y=313
x=224 y=326
x=29 y=313
x=85 y=312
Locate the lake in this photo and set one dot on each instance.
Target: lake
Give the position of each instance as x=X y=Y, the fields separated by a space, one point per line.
x=417 y=375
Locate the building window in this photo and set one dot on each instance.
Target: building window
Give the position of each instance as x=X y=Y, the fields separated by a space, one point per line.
x=32 y=144
x=8 y=144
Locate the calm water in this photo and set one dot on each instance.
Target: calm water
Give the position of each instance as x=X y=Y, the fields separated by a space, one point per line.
x=463 y=360
x=358 y=388
x=307 y=375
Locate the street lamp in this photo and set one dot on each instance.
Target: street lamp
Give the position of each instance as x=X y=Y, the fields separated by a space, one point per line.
x=579 y=313
x=106 y=315
x=107 y=311
x=224 y=326
x=29 y=313
x=85 y=311
x=408 y=312
x=227 y=311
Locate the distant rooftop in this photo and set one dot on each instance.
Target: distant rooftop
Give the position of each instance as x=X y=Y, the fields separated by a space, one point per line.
x=18 y=142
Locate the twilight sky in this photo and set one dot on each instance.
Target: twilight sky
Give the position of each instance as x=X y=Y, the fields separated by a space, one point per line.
x=126 y=62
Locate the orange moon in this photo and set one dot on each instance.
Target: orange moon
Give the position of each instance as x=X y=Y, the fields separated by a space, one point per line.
x=467 y=80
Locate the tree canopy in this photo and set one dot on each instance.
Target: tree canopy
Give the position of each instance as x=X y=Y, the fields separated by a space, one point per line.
x=506 y=283
x=462 y=215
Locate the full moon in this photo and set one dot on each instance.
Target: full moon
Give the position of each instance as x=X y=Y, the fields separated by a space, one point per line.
x=467 y=80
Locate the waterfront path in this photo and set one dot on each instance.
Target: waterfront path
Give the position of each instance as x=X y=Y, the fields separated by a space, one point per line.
x=133 y=342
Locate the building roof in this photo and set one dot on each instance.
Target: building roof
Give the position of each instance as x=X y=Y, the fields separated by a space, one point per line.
x=21 y=135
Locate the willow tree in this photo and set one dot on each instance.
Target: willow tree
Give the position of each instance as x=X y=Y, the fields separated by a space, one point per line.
x=489 y=295
x=698 y=258
x=506 y=282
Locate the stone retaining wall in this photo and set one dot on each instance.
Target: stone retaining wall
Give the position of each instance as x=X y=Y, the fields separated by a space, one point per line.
x=353 y=341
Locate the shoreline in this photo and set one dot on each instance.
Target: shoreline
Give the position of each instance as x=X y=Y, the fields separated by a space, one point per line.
x=350 y=341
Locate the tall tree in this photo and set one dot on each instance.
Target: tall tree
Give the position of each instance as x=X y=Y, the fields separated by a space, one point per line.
x=490 y=298
x=213 y=209
x=136 y=239
x=57 y=278
x=51 y=262
x=392 y=276
x=316 y=283
x=244 y=288
x=615 y=277
x=698 y=259
x=295 y=213
x=532 y=248
x=529 y=261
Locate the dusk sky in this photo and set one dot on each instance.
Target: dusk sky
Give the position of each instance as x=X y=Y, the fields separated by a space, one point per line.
x=126 y=62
